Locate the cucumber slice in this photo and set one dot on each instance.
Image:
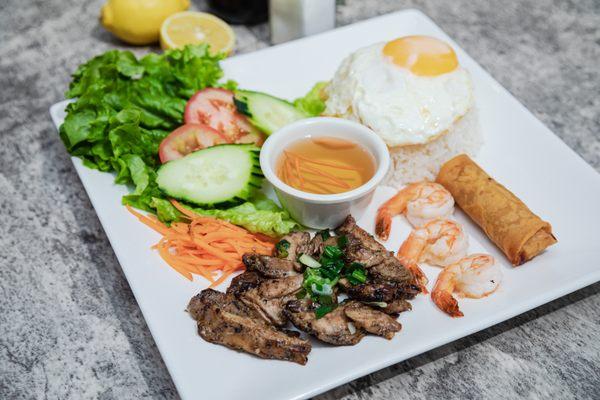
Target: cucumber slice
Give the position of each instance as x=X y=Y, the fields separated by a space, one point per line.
x=218 y=174
x=309 y=261
x=266 y=112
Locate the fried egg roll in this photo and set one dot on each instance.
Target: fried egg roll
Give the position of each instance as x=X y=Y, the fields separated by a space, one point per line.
x=505 y=219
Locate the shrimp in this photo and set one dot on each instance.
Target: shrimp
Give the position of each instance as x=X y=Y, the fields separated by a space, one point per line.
x=419 y=275
x=439 y=242
x=421 y=202
x=475 y=276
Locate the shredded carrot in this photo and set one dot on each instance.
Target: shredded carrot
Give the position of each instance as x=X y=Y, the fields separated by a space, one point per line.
x=204 y=246
x=297 y=166
x=320 y=162
x=322 y=186
x=328 y=175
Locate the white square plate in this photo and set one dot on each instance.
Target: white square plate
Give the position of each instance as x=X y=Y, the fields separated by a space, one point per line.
x=519 y=151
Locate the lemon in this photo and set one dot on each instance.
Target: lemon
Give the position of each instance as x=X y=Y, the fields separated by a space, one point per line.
x=138 y=21
x=191 y=27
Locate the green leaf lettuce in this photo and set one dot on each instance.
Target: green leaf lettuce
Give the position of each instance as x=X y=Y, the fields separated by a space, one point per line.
x=124 y=107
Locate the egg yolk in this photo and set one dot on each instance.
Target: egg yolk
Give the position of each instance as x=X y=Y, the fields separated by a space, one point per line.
x=422 y=55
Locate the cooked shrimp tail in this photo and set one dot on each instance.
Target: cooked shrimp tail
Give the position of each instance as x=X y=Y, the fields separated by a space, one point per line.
x=392 y=207
x=444 y=301
x=419 y=275
x=421 y=202
x=475 y=276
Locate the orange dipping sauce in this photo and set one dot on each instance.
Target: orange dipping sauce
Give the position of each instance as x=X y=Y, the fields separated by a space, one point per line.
x=325 y=165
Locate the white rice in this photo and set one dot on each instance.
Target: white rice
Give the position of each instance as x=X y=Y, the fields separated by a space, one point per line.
x=422 y=162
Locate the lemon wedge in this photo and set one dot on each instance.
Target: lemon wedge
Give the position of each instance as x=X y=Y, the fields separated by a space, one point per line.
x=138 y=22
x=192 y=27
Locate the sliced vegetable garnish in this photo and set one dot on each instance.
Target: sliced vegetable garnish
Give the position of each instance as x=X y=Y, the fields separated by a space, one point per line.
x=214 y=107
x=356 y=273
x=267 y=112
x=226 y=173
x=342 y=241
x=323 y=275
x=324 y=289
x=282 y=248
x=313 y=103
x=333 y=252
x=325 y=234
x=204 y=246
x=358 y=276
x=323 y=310
x=381 y=304
x=124 y=107
x=309 y=261
x=186 y=139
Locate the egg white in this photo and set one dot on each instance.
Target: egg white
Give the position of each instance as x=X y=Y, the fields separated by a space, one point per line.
x=402 y=108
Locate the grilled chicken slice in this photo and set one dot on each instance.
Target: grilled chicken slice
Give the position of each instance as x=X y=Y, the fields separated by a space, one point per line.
x=350 y=229
x=269 y=297
x=269 y=267
x=391 y=269
x=299 y=243
x=317 y=244
x=315 y=247
x=365 y=249
x=371 y=320
x=362 y=247
x=223 y=319
x=356 y=252
x=244 y=282
x=332 y=328
x=397 y=306
x=379 y=291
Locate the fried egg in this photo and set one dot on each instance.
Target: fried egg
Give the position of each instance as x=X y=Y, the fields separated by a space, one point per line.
x=409 y=90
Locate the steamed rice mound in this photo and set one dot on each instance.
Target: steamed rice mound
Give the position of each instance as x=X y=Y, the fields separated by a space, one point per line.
x=414 y=163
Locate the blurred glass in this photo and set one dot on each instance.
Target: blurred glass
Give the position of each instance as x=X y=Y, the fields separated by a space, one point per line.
x=240 y=11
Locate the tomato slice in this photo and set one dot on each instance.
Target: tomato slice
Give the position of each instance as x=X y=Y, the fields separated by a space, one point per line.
x=214 y=107
x=255 y=137
x=186 y=139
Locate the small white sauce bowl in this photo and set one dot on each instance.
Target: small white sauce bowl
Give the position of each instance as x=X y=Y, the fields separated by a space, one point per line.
x=321 y=211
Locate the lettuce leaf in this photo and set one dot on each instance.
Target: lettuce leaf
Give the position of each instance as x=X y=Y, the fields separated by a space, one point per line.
x=123 y=109
x=313 y=103
x=261 y=215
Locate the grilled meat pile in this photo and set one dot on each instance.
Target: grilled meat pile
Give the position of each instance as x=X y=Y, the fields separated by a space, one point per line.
x=260 y=303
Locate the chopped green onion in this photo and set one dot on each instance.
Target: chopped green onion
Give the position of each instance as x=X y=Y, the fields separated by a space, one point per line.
x=342 y=241
x=324 y=234
x=332 y=252
x=356 y=273
x=324 y=289
x=308 y=261
x=359 y=275
x=282 y=248
x=326 y=300
x=332 y=270
x=301 y=294
x=323 y=310
x=357 y=265
x=353 y=281
x=351 y=328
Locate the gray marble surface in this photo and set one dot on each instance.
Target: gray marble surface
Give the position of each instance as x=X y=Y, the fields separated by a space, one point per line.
x=69 y=325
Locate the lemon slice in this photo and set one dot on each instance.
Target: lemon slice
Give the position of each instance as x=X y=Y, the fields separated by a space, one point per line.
x=191 y=27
